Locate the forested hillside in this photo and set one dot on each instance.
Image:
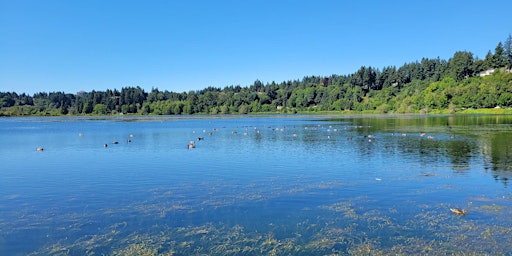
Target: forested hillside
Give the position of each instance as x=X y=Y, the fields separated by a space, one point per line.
x=461 y=82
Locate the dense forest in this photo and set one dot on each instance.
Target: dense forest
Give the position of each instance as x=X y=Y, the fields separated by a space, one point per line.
x=461 y=82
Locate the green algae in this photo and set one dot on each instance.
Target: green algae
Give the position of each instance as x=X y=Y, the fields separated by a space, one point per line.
x=341 y=228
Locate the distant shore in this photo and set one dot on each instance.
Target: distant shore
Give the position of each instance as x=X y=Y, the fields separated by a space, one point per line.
x=481 y=111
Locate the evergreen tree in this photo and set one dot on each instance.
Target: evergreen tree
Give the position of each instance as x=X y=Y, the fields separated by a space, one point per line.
x=499 y=60
x=461 y=65
x=488 y=62
x=507 y=53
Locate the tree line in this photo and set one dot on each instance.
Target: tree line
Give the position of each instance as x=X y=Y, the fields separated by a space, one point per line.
x=414 y=87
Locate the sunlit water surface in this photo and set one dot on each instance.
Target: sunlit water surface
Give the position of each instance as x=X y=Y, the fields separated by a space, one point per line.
x=300 y=185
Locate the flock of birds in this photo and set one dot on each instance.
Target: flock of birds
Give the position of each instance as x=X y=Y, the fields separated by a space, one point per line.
x=114 y=142
x=370 y=138
x=41 y=149
x=192 y=145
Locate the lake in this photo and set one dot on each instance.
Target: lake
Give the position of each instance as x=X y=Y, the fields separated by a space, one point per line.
x=256 y=185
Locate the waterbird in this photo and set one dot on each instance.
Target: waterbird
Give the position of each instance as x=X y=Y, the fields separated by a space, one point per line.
x=457 y=211
x=40 y=149
x=115 y=142
x=191 y=145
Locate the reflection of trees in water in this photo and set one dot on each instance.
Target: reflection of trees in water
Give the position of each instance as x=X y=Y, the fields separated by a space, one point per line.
x=458 y=140
x=494 y=139
x=499 y=149
x=460 y=153
x=469 y=131
x=415 y=144
x=434 y=151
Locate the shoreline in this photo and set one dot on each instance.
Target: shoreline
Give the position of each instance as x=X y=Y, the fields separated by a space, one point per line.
x=486 y=111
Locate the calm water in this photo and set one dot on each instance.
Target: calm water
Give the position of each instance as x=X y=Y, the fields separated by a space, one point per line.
x=300 y=185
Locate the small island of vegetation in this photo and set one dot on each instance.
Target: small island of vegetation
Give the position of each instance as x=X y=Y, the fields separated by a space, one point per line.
x=463 y=83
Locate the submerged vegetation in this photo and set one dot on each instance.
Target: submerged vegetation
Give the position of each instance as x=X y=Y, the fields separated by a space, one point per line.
x=431 y=85
x=342 y=228
x=218 y=216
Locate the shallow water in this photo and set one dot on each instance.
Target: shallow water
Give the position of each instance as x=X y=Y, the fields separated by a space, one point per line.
x=302 y=185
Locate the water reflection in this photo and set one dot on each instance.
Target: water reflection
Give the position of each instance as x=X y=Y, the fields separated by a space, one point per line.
x=497 y=151
x=373 y=185
x=461 y=139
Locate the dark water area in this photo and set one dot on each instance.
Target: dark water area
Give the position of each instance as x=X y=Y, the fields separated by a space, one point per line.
x=253 y=185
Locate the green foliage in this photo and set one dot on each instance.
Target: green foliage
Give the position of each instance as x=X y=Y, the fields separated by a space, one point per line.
x=421 y=86
x=461 y=66
x=100 y=109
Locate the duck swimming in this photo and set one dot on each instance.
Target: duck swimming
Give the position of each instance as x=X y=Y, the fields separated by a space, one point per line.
x=457 y=211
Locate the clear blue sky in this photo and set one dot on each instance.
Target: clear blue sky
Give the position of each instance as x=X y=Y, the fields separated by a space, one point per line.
x=49 y=45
